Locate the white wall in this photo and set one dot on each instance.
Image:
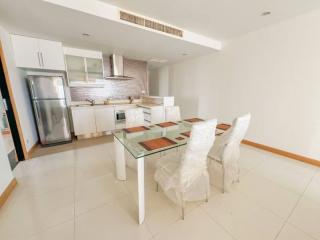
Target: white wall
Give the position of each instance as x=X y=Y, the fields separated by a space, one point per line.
x=159 y=82
x=194 y=84
x=274 y=73
x=20 y=92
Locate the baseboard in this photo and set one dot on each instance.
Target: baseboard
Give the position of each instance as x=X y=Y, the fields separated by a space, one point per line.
x=29 y=154
x=283 y=153
x=5 y=195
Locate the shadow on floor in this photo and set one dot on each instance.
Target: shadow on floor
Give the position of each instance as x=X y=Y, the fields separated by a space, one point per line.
x=75 y=144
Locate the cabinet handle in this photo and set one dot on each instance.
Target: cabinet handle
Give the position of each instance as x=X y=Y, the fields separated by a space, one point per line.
x=39 y=59
x=42 y=59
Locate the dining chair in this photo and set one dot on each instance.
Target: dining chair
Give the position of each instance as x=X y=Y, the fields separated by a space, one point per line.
x=134 y=117
x=184 y=177
x=226 y=150
x=172 y=114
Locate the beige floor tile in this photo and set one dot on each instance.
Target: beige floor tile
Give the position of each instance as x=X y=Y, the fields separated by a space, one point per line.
x=306 y=217
x=197 y=225
x=95 y=192
x=270 y=195
x=290 y=232
x=111 y=221
x=289 y=173
x=33 y=213
x=243 y=218
x=63 y=231
x=313 y=189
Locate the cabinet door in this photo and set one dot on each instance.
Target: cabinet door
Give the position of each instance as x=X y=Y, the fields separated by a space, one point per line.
x=157 y=115
x=83 y=120
x=94 y=69
x=26 y=51
x=76 y=69
x=105 y=120
x=51 y=55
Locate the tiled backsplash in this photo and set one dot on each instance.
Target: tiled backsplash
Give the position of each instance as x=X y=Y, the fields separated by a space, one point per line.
x=119 y=89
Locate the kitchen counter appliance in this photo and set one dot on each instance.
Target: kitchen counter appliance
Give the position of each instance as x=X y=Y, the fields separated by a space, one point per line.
x=50 y=109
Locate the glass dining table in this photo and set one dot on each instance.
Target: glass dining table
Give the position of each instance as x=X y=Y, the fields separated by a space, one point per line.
x=144 y=141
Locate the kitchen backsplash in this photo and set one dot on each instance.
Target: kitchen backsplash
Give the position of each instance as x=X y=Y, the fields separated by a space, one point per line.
x=117 y=89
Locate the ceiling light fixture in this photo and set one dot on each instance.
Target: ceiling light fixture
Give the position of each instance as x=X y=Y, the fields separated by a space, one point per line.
x=184 y=54
x=265 y=13
x=157 y=60
x=86 y=34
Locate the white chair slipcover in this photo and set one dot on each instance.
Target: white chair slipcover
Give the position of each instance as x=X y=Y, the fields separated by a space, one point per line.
x=184 y=176
x=226 y=150
x=134 y=117
x=173 y=114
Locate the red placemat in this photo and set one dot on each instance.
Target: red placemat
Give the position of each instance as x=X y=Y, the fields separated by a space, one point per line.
x=179 y=138
x=193 y=120
x=187 y=134
x=156 y=143
x=223 y=126
x=166 y=124
x=135 y=129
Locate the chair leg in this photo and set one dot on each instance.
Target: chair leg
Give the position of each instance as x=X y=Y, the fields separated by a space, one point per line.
x=207 y=196
x=182 y=207
x=182 y=213
x=223 y=178
x=157 y=187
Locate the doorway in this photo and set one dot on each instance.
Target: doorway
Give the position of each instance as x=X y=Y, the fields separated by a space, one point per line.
x=8 y=123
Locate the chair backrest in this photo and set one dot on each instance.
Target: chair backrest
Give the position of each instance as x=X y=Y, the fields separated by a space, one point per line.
x=239 y=129
x=234 y=136
x=173 y=113
x=134 y=117
x=194 y=160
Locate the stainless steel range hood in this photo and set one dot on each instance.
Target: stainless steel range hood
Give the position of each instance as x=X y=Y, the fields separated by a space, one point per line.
x=117 y=72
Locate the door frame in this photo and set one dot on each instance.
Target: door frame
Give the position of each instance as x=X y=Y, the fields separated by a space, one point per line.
x=13 y=103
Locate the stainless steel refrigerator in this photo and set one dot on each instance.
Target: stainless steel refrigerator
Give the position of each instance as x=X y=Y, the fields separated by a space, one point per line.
x=50 y=109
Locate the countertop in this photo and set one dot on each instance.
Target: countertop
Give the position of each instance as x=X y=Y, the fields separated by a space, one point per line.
x=148 y=105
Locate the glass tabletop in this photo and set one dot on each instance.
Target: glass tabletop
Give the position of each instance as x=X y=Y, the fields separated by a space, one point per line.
x=154 y=139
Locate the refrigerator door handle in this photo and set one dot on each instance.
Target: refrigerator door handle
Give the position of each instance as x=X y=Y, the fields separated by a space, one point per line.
x=36 y=106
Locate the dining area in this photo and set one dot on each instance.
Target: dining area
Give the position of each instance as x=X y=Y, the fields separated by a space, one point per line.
x=182 y=152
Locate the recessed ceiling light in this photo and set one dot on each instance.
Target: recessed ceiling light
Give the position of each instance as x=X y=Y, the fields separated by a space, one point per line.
x=86 y=34
x=157 y=60
x=265 y=13
x=184 y=54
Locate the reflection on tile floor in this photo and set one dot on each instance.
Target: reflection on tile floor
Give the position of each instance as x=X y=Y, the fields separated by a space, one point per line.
x=73 y=194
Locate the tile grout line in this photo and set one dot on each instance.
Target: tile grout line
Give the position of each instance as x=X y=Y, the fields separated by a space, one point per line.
x=212 y=219
x=295 y=206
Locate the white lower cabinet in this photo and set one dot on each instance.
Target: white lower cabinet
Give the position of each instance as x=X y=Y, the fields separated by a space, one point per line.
x=93 y=119
x=83 y=120
x=105 y=120
x=153 y=115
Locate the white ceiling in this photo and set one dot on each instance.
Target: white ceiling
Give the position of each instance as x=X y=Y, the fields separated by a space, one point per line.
x=44 y=20
x=218 y=19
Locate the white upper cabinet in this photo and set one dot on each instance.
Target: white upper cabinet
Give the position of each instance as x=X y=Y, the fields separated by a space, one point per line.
x=37 y=53
x=26 y=52
x=84 y=67
x=52 y=55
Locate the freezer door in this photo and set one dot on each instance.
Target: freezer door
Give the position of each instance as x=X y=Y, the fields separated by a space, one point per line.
x=46 y=87
x=52 y=121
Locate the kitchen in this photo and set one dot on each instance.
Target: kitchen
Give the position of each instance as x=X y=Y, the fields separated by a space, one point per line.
x=94 y=90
